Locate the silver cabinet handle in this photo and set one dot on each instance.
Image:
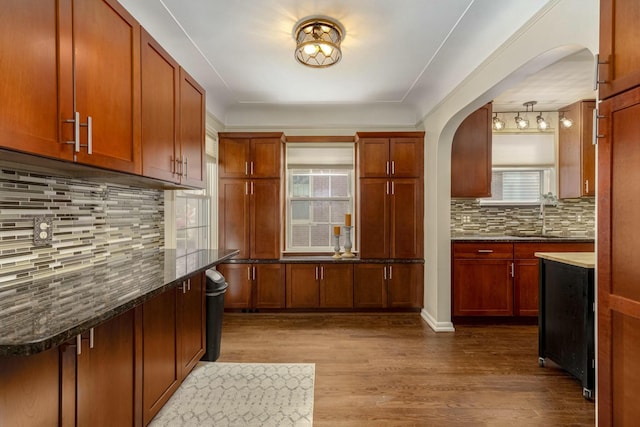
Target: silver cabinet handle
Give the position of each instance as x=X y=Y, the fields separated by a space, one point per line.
x=390 y=272
x=251 y=168
x=388 y=188
x=586 y=186
x=393 y=167
x=189 y=285
x=89 y=126
x=387 y=167
x=384 y=272
x=78 y=344
x=91 y=338
x=322 y=272
x=252 y=188
x=76 y=131
x=316 y=272
x=513 y=273
x=249 y=273
x=246 y=168
x=178 y=166
x=393 y=188
x=596 y=74
x=485 y=251
x=186 y=168
x=246 y=188
x=253 y=270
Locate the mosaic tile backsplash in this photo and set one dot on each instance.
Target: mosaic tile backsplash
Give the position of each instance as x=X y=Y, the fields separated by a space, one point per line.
x=570 y=218
x=91 y=222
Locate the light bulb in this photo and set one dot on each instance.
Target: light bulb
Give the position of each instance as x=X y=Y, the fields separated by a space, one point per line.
x=311 y=49
x=566 y=122
x=542 y=123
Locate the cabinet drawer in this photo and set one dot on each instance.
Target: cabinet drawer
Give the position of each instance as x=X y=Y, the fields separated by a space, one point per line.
x=528 y=250
x=483 y=250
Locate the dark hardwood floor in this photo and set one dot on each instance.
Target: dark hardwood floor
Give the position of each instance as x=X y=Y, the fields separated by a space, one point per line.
x=393 y=370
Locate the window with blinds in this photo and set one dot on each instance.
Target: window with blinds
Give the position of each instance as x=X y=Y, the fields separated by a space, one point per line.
x=320 y=184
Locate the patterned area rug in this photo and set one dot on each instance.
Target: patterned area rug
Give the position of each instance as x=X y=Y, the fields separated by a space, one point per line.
x=242 y=394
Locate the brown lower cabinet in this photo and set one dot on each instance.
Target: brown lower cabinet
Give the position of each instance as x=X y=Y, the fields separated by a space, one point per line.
x=29 y=389
x=392 y=285
x=500 y=279
x=254 y=285
x=319 y=285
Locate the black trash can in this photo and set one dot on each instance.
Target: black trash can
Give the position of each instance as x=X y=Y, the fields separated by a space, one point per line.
x=215 y=289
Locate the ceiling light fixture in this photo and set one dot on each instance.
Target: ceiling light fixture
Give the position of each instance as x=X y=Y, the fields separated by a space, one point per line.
x=497 y=123
x=521 y=123
x=542 y=123
x=318 y=42
x=565 y=122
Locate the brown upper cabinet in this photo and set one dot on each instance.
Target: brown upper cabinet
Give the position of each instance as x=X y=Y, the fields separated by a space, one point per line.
x=471 y=155
x=577 y=154
x=63 y=99
x=390 y=154
x=619 y=56
x=250 y=155
x=173 y=121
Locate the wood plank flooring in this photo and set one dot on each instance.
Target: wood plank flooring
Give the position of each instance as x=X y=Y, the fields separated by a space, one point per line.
x=393 y=370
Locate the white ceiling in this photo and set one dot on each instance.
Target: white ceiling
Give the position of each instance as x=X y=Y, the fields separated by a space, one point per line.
x=409 y=53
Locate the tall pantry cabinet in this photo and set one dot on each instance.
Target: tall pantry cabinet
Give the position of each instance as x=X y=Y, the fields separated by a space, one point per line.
x=390 y=219
x=250 y=210
x=618 y=129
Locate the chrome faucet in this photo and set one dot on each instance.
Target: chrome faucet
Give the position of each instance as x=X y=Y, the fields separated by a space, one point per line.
x=546 y=199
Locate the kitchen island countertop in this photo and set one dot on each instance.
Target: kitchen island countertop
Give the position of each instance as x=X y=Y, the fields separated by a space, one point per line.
x=50 y=308
x=579 y=259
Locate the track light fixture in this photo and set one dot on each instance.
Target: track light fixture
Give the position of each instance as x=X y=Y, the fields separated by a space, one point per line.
x=522 y=122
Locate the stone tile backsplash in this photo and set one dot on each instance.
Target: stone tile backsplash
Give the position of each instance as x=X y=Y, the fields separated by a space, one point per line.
x=571 y=217
x=91 y=222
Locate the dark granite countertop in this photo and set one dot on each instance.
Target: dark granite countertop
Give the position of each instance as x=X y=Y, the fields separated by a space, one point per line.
x=523 y=239
x=307 y=259
x=52 y=308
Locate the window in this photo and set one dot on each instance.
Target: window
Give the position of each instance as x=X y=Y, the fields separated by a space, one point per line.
x=523 y=168
x=192 y=221
x=320 y=182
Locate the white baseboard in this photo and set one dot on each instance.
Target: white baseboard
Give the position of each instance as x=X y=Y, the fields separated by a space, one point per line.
x=434 y=324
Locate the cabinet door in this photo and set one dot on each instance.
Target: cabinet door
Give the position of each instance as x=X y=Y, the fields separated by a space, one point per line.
x=370 y=286
x=29 y=389
x=407 y=157
x=239 y=278
x=107 y=84
x=191 y=131
x=234 y=216
x=405 y=285
x=618 y=267
x=374 y=225
x=265 y=218
x=191 y=315
x=471 y=156
x=482 y=287
x=373 y=157
x=336 y=286
x=29 y=118
x=159 y=110
x=269 y=286
x=234 y=157
x=619 y=55
x=161 y=376
x=105 y=374
x=303 y=286
x=576 y=153
x=266 y=158
x=406 y=219
x=526 y=287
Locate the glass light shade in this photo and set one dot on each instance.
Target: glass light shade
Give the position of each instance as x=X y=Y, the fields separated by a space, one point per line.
x=318 y=43
x=565 y=122
x=521 y=123
x=542 y=123
x=498 y=123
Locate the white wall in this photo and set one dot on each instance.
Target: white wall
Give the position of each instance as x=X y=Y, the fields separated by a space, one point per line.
x=560 y=29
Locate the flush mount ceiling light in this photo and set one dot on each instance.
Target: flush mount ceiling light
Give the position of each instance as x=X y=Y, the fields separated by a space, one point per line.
x=318 y=42
x=565 y=122
x=497 y=123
